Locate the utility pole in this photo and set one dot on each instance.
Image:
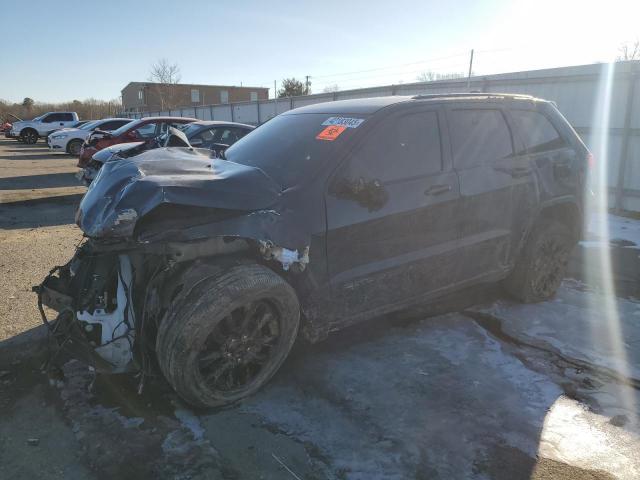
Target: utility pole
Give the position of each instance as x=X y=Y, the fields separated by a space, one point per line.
x=275 y=99
x=470 y=67
x=306 y=87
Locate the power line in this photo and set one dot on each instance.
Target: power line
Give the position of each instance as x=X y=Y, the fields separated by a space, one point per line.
x=391 y=66
x=382 y=75
x=378 y=69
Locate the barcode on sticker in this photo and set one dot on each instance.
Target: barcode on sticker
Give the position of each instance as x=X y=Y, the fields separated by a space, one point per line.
x=343 y=122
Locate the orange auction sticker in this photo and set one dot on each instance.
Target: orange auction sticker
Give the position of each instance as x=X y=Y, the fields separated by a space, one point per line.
x=330 y=133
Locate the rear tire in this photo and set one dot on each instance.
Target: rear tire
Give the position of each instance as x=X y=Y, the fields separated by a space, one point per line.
x=542 y=263
x=228 y=336
x=73 y=147
x=29 y=136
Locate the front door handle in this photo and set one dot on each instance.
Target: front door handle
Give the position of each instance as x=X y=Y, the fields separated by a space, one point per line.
x=437 y=189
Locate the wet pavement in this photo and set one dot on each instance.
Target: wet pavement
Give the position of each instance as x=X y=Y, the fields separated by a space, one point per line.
x=495 y=390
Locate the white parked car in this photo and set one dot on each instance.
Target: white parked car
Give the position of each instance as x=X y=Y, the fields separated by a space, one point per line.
x=28 y=131
x=70 y=140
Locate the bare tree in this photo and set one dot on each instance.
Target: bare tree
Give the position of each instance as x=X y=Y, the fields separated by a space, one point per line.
x=629 y=51
x=88 y=109
x=430 y=76
x=164 y=77
x=331 y=88
x=426 y=76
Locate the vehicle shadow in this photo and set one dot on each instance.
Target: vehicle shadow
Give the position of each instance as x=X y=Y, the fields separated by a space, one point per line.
x=14 y=143
x=27 y=150
x=50 y=180
x=45 y=155
x=40 y=212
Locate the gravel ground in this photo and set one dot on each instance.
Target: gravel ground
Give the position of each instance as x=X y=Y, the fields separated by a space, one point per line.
x=38 y=194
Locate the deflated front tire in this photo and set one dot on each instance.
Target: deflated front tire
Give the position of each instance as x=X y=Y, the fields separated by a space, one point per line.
x=228 y=336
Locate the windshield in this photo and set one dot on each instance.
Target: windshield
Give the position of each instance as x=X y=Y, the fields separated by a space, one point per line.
x=126 y=127
x=190 y=128
x=290 y=148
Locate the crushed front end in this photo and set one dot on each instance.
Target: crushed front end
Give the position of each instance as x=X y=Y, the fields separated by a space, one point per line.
x=100 y=297
x=154 y=224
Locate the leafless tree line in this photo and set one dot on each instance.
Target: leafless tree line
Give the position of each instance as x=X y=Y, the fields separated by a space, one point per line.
x=88 y=109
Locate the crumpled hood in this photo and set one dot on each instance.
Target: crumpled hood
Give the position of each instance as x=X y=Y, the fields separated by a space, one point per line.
x=107 y=153
x=126 y=190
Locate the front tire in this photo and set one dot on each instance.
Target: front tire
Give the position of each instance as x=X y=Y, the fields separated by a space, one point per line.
x=542 y=263
x=73 y=148
x=228 y=336
x=29 y=136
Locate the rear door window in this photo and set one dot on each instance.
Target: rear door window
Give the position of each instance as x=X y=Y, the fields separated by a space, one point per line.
x=478 y=137
x=66 y=117
x=401 y=147
x=536 y=131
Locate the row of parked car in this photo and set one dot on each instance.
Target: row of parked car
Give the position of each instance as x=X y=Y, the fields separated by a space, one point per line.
x=121 y=136
x=205 y=267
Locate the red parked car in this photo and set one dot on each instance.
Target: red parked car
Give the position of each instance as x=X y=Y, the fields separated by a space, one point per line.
x=146 y=129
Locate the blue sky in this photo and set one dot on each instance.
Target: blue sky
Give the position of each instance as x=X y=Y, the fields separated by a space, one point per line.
x=64 y=50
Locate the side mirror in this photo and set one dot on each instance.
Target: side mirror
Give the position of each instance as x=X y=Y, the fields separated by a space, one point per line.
x=196 y=142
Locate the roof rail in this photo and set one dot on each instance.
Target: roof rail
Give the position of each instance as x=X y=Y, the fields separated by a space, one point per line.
x=472 y=94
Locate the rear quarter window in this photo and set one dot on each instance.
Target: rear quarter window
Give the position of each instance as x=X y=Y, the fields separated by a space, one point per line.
x=478 y=137
x=536 y=131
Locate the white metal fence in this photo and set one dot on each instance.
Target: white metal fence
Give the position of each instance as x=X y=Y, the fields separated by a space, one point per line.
x=578 y=92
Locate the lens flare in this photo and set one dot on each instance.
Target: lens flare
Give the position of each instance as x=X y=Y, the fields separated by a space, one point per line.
x=603 y=307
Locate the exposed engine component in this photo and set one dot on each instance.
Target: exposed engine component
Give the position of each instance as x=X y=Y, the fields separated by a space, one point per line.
x=112 y=331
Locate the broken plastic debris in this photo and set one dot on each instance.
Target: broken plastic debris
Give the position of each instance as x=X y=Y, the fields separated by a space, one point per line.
x=285 y=256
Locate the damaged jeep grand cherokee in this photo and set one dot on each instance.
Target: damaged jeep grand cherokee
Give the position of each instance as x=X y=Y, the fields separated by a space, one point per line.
x=207 y=268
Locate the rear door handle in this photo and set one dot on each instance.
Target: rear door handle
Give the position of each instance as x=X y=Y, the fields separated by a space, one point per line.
x=437 y=189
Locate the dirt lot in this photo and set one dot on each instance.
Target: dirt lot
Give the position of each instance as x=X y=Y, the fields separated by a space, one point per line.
x=38 y=194
x=488 y=390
